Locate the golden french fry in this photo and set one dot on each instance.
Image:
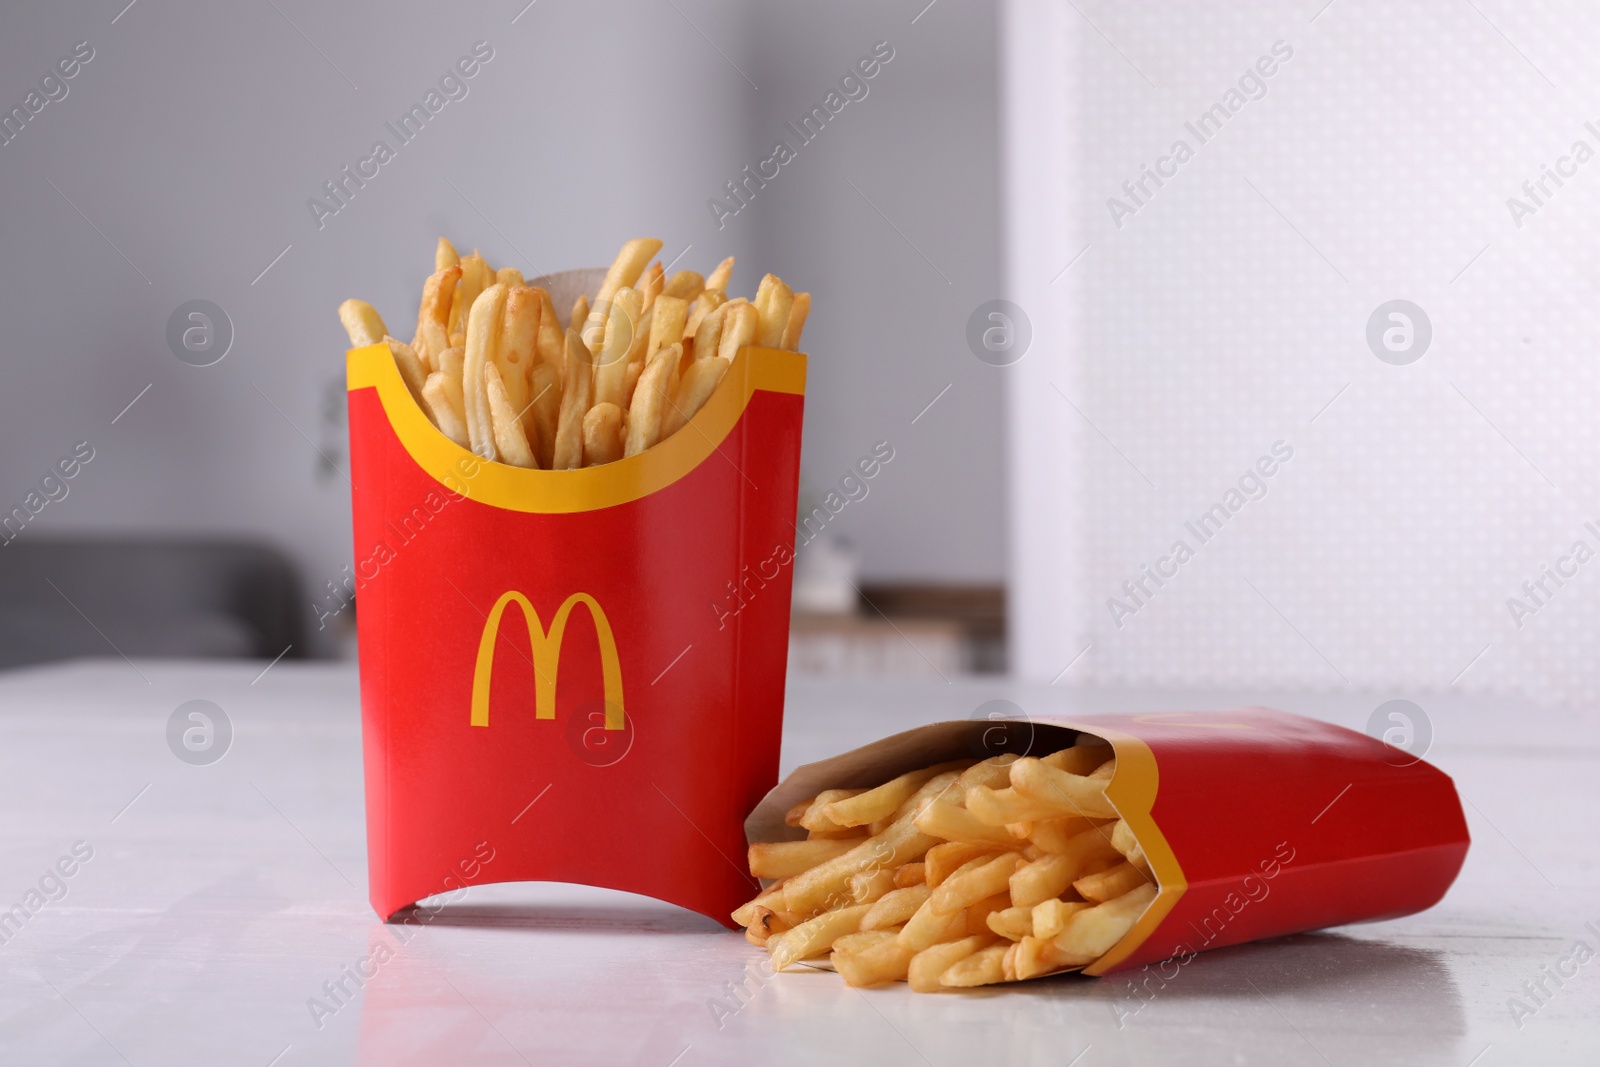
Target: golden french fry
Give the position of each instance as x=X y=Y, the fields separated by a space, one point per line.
x=509 y=277
x=861 y=941
x=1080 y=759
x=602 y=443
x=708 y=334
x=631 y=383
x=739 y=321
x=972 y=884
x=1123 y=841
x=685 y=285
x=579 y=316
x=1036 y=956
x=551 y=342
x=482 y=350
x=999 y=807
x=1012 y=923
x=895 y=907
x=544 y=411
x=445 y=255
x=510 y=443
x=951 y=822
x=901 y=843
x=767 y=922
x=476 y=276
x=983 y=967
x=798 y=812
x=362 y=322
x=622 y=324
x=772 y=308
x=1091 y=933
x=438 y=293
x=929 y=965
x=1076 y=794
x=911 y=874
x=770 y=898
x=869 y=887
x=815 y=817
x=872 y=804
x=1110 y=883
x=411 y=368
x=1049 y=917
x=929 y=927
x=667 y=327
x=518 y=336
x=576 y=392
x=650 y=399
x=815 y=936
x=718 y=278
x=1057 y=835
x=798 y=312
x=707 y=302
x=947 y=857
x=436 y=394
x=651 y=284
x=872 y=963
x=1042 y=880
x=627 y=267
x=782 y=859
x=988 y=773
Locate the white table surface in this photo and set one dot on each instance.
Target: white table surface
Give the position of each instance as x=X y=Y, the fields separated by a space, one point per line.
x=223 y=897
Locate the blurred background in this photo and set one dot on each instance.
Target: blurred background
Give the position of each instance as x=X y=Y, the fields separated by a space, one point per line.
x=1247 y=344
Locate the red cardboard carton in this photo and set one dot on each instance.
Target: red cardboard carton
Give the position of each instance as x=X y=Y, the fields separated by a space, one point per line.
x=578 y=674
x=1256 y=822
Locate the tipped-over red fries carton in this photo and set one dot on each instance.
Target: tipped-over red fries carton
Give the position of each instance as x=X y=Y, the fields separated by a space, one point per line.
x=572 y=675
x=1255 y=823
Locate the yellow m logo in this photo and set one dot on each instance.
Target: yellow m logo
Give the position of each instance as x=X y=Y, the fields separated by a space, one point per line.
x=546 y=648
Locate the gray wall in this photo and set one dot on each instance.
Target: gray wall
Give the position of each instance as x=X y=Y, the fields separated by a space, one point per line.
x=180 y=162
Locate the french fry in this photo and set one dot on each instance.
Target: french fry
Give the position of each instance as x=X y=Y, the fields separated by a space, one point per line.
x=944 y=819
x=782 y=859
x=362 y=322
x=911 y=874
x=611 y=361
x=1076 y=794
x=947 y=857
x=1012 y=923
x=476 y=276
x=1056 y=835
x=929 y=965
x=651 y=284
x=696 y=387
x=511 y=445
x=972 y=884
x=983 y=967
x=576 y=392
x=1049 y=917
x=770 y=898
x=719 y=276
x=772 y=304
x=543 y=412
x=872 y=804
x=627 y=267
x=685 y=285
x=509 y=277
x=766 y=923
x=739 y=322
x=882 y=960
x=798 y=312
x=579 y=316
x=552 y=341
x=445 y=255
x=436 y=395
x=815 y=936
x=798 y=812
x=1092 y=932
x=869 y=887
x=1000 y=807
x=1123 y=841
x=650 y=399
x=667 y=326
x=1080 y=759
x=895 y=907
x=860 y=941
x=1110 y=883
x=704 y=304
x=411 y=368
x=482 y=349
x=816 y=817
x=518 y=335
x=438 y=293
x=602 y=434
x=928 y=927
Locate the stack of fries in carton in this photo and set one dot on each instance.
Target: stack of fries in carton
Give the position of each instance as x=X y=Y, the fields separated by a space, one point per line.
x=956 y=875
x=498 y=373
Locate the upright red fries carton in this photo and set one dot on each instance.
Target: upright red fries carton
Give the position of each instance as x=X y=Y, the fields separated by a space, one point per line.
x=573 y=676
x=1256 y=823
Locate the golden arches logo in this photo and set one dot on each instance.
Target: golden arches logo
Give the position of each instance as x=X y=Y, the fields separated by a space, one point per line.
x=546 y=649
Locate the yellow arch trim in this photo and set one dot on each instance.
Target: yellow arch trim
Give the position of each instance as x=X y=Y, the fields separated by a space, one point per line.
x=546 y=649
x=1133 y=792
x=561 y=492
